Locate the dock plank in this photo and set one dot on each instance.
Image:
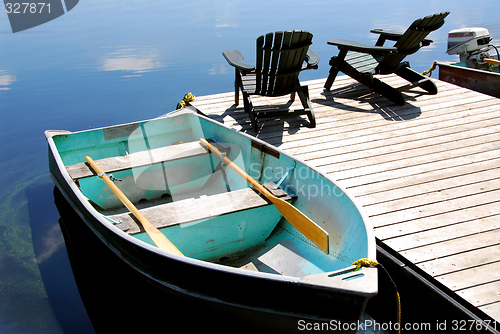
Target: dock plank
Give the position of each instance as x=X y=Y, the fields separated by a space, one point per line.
x=433 y=209
x=438 y=161
x=432 y=194
x=493 y=310
x=463 y=261
x=422 y=183
x=418 y=233
x=451 y=247
x=380 y=142
x=427 y=173
x=481 y=295
x=474 y=214
x=476 y=276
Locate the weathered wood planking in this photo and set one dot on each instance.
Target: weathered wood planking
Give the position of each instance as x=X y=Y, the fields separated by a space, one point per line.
x=139 y=159
x=427 y=173
x=198 y=209
x=195 y=209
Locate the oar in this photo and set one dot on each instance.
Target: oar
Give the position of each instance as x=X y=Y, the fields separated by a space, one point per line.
x=491 y=61
x=160 y=240
x=306 y=226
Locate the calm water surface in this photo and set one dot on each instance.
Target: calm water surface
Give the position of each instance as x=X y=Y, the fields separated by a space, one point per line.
x=108 y=62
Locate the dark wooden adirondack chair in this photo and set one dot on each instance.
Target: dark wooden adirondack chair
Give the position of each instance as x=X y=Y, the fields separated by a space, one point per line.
x=361 y=62
x=280 y=59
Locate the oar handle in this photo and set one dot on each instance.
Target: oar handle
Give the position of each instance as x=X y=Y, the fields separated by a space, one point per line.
x=158 y=238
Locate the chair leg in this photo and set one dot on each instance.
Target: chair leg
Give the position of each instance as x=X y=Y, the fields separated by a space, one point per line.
x=303 y=92
x=312 y=118
x=388 y=92
x=250 y=110
x=373 y=83
x=412 y=76
x=335 y=63
x=332 y=74
x=237 y=85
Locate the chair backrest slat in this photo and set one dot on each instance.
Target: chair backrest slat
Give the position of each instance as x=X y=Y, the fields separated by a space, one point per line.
x=410 y=41
x=279 y=60
x=263 y=61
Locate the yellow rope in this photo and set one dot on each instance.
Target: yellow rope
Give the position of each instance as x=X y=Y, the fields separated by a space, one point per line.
x=433 y=67
x=188 y=97
x=372 y=263
x=364 y=263
x=398 y=317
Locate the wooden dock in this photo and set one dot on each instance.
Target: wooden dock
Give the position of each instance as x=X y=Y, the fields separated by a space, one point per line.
x=427 y=173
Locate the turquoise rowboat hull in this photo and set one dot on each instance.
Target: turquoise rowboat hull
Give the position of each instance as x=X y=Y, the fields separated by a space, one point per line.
x=240 y=254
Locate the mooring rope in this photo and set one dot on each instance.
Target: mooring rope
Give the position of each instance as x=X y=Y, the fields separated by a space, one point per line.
x=433 y=67
x=372 y=263
x=188 y=97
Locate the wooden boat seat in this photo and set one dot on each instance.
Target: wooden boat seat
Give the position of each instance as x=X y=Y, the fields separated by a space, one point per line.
x=211 y=228
x=148 y=175
x=198 y=209
x=139 y=159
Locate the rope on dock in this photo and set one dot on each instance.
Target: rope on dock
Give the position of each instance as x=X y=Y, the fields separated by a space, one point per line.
x=188 y=97
x=433 y=67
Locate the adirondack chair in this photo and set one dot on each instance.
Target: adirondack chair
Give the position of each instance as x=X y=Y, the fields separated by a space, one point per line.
x=280 y=59
x=361 y=62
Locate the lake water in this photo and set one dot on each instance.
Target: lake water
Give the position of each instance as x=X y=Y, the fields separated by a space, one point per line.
x=108 y=62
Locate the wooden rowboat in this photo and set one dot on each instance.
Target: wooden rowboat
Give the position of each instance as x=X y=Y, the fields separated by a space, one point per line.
x=240 y=249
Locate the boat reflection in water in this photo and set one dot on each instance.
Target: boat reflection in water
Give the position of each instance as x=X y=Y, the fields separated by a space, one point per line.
x=117 y=299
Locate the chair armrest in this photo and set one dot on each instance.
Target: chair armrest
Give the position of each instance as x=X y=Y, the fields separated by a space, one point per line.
x=388 y=34
x=312 y=59
x=359 y=47
x=235 y=58
x=394 y=36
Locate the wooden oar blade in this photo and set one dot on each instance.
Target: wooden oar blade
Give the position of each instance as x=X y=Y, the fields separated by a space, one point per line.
x=304 y=225
x=161 y=241
x=492 y=61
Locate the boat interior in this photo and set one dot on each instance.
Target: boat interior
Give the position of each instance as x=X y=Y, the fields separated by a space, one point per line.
x=187 y=192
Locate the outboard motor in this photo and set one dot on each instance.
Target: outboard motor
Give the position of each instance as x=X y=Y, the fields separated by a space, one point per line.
x=472 y=44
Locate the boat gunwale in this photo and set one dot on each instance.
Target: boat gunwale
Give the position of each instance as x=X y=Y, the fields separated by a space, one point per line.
x=453 y=65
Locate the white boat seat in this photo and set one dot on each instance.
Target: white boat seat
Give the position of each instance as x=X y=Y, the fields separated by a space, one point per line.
x=140 y=159
x=148 y=175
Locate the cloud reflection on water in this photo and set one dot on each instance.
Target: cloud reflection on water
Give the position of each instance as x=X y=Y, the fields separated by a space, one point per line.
x=6 y=79
x=52 y=241
x=131 y=60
